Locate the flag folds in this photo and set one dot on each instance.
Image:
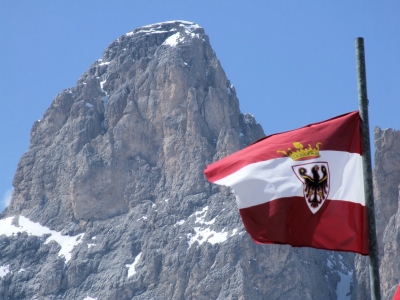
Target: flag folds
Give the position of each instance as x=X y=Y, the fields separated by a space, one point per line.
x=302 y=187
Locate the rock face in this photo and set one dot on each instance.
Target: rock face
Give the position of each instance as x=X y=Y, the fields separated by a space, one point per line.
x=110 y=200
x=387 y=196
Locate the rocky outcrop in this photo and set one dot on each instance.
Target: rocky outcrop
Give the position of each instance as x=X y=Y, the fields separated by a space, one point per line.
x=110 y=200
x=386 y=192
x=390 y=261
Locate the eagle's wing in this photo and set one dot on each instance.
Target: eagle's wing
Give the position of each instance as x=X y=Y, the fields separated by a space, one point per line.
x=309 y=183
x=323 y=185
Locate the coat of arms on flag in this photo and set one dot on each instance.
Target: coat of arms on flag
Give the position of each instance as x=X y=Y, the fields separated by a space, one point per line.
x=315 y=178
x=297 y=196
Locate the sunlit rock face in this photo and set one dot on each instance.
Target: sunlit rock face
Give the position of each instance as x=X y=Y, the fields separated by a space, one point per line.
x=387 y=215
x=110 y=201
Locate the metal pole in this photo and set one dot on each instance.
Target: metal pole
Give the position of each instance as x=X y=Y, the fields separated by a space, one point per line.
x=367 y=170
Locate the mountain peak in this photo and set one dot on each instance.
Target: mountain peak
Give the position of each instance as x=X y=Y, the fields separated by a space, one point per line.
x=169 y=26
x=168 y=33
x=155 y=91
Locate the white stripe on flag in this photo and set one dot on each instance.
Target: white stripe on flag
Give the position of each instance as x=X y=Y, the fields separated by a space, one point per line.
x=268 y=180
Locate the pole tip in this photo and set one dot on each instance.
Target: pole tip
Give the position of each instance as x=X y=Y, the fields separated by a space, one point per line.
x=359 y=42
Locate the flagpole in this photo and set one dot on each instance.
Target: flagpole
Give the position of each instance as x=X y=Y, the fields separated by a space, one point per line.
x=367 y=171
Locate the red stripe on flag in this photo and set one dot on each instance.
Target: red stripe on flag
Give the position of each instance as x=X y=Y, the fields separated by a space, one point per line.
x=341 y=133
x=397 y=294
x=338 y=225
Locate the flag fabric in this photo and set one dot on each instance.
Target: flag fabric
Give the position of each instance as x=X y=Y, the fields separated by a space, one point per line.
x=396 y=295
x=303 y=187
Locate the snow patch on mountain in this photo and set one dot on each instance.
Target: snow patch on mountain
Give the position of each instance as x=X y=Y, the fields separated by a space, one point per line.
x=179 y=222
x=66 y=242
x=4 y=270
x=205 y=234
x=132 y=267
x=173 y=40
x=189 y=29
x=343 y=289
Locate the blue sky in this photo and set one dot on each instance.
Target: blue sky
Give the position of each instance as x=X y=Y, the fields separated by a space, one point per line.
x=292 y=62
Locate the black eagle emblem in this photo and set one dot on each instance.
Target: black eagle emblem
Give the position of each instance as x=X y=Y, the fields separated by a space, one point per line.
x=316 y=187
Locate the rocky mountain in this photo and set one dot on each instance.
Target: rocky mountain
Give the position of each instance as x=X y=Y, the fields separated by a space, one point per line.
x=110 y=200
x=387 y=203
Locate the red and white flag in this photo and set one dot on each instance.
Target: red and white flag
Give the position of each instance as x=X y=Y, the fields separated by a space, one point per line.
x=303 y=187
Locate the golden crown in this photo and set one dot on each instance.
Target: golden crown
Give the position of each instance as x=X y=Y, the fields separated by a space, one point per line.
x=302 y=153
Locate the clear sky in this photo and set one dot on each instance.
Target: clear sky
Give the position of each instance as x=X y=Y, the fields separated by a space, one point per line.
x=292 y=62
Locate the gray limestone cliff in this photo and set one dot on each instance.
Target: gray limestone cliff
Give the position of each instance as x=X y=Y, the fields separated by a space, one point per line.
x=387 y=203
x=110 y=200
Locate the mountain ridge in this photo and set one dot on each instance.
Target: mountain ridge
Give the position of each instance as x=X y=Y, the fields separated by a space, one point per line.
x=116 y=165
